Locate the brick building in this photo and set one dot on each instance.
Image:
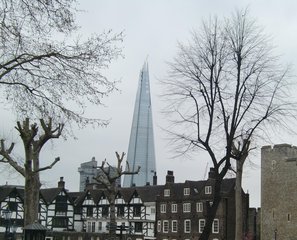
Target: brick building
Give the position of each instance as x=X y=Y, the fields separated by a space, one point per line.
x=182 y=208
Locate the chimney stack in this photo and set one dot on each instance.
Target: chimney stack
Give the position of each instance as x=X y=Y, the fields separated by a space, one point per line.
x=61 y=183
x=169 y=177
x=211 y=173
x=155 y=179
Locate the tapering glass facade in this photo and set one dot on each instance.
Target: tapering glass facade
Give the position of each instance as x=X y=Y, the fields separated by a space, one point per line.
x=141 y=151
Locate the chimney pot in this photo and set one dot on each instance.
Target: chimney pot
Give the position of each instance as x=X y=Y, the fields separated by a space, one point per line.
x=61 y=183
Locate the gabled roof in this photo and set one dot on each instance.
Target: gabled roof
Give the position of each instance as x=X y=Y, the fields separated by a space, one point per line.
x=127 y=193
x=79 y=200
x=7 y=190
x=96 y=195
x=74 y=195
x=50 y=194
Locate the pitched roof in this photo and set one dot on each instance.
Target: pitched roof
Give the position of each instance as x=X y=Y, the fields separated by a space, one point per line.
x=74 y=196
x=6 y=190
x=49 y=194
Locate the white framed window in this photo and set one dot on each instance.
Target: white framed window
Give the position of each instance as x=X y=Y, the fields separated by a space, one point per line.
x=187 y=207
x=174 y=208
x=166 y=192
x=89 y=227
x=215 y=226
x=159 y=226
x=163 y=208
x=165 y=226
x=207 y=189
x=199 y=206
x=93 y=226
x=174 y=225
x=187 y=226
x=186 y=191
x=201 y=225
x=99 y=226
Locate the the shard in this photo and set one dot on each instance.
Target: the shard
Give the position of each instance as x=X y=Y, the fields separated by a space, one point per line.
x=141 y=151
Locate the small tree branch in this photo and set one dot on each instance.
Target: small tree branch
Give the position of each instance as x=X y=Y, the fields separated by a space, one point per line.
x=57 y=159
x=7 y=158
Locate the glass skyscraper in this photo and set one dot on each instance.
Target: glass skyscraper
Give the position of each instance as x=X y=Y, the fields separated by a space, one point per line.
x=141 y=151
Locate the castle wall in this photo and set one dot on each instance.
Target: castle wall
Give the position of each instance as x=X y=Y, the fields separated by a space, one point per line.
x=278 y=192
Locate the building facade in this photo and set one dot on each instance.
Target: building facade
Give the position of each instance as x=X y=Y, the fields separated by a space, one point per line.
x=182 y=209
x=170 y=211
x=87 y=172
x=141 y=151
x=278 y=192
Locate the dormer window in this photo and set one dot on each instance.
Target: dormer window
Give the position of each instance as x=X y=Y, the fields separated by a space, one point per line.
x=166 y=192
x=186 y=191
x=207 y=189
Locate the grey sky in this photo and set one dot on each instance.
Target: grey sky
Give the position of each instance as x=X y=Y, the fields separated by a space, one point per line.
x=152 y=29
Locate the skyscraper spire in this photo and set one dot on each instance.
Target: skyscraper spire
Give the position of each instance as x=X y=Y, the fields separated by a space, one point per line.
x=141 y=151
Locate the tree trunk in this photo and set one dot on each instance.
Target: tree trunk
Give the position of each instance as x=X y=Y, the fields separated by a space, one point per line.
x=113 y=223
x=211 y=210
x=31 y=201
x=238 y=201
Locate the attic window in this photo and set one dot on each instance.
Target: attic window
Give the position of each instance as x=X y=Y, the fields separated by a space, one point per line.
x=166 y=192
x=186 y=191
x=207 y=189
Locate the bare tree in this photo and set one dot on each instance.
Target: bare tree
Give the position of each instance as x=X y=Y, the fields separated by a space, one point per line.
x=33 y=142
x=46 y=68
x=226 y=85
x=107 y=177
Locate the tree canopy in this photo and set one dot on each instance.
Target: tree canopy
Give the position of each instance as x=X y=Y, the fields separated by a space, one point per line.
x=226 y=85
x=46 y=68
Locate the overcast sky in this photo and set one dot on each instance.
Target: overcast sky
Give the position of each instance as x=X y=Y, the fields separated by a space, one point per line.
x=152 y=29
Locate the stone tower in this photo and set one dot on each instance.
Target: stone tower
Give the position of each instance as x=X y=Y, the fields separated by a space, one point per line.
x=279 y=192
x=141 y=151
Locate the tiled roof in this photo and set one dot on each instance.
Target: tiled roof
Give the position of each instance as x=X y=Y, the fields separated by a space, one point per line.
x=6 y=190
x=74 y=196
x=49 y=194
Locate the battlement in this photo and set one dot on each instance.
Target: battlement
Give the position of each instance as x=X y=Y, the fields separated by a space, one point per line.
x=279 y=147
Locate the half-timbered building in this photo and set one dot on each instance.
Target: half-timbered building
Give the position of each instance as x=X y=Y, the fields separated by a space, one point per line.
x=171 y=211
x=12 y=200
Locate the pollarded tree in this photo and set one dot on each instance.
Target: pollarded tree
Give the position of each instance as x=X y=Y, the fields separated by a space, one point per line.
x=33 y=141
x=107 y=177
x=46 y=69
x=225 y=86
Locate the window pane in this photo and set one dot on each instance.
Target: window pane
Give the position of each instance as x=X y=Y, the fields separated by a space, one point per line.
x=201 y=225
x=165 y=226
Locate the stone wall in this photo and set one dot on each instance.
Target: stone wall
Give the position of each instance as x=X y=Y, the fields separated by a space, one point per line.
x=278 y=192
